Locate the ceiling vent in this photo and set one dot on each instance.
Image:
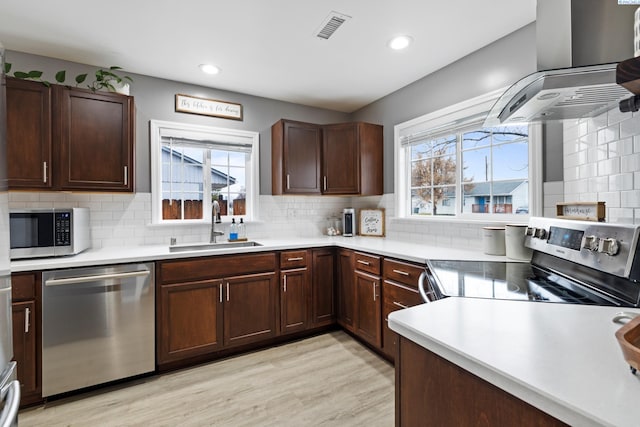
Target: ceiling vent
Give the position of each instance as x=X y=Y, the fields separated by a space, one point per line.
x=330 y=24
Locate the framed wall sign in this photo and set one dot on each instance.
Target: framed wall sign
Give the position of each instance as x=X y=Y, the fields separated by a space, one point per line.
x=372 y=222
x=208 y=107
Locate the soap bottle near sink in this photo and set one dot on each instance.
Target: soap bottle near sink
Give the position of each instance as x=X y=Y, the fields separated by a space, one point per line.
x=233 y=230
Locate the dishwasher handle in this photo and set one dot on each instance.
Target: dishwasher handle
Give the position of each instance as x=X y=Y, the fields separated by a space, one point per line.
x=9 y=415
x=85 y=279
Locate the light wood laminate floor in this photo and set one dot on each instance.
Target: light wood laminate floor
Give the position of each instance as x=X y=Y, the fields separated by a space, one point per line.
x=326 y=380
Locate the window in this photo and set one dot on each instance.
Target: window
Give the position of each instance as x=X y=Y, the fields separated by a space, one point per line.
x=195 y=166
x=449 y=165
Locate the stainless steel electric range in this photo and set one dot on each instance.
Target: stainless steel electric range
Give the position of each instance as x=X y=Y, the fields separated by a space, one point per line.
x=575 y=262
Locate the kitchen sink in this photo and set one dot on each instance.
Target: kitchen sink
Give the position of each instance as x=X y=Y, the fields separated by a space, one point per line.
x=212 y=246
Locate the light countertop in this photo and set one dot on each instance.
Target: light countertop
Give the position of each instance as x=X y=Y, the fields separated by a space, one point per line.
x=382 y=246
x=561 y=358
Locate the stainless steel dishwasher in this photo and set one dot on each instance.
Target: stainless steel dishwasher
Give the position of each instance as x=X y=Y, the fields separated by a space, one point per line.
x=98 y=325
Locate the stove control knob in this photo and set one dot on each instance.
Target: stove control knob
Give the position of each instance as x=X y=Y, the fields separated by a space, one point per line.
x=609 y=246
x=530 y=231
x=540 y=233
x=590 y=243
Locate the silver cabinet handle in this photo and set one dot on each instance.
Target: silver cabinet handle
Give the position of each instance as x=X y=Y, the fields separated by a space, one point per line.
x=404 y=273
x=298 y=258
x=227 y=291
x=44 y=172
x=287 y=181
x=285 y=283
x=27 y=323
x=325 y=182
x=12 y=401
x=374 y=290
x=363 y=262
x=400 y=305
x=84 y=279
x=220 y=292
x=126 y=175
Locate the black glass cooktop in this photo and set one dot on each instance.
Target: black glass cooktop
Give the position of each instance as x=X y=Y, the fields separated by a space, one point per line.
x=508 y=280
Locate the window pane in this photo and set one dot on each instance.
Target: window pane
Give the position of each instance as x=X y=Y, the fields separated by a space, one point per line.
x=182 y=189
x=421 y=201
x=421 y=173
x=444 y=170
x=421 y=151
x=476 y=165
x=476 y=139
x=445 y=200
x=446 y=145
x=511 y=161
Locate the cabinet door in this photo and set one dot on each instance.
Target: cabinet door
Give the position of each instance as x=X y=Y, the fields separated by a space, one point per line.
x=95 y=132
x=346 y=290
x=368 y=308
x=24 y=346
x=294 y=300
x=301 y=158
x=250 y=308
x=341 y=159
x=28 y=134
x=190 y=319
x=395 y=296
x=323 y=289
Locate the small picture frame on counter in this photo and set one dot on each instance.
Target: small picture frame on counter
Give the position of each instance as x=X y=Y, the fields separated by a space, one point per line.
x=585 y=211
x=372 y=222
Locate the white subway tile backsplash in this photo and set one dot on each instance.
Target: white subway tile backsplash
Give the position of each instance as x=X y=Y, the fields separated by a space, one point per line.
x=630 y=127
x=609 y=134
x=630 y=163
x=623 y=147
x=605 y=167
x=621 y=182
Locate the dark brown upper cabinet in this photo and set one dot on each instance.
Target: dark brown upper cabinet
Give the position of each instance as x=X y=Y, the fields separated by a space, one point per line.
x=65 y=138
x=338 y=159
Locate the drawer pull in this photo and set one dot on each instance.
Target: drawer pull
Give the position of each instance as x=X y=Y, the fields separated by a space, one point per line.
x=400 y=305
x=227 y=291
x=27 y=322
x=404 y=273
x=298 y=258
x=285 y=283
x=44 y=172
x=374 y=290
x=363 y=262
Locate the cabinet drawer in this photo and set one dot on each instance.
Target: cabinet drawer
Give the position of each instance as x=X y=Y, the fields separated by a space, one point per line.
x=396 y=296
x=401 y=272
x=23 y=286
x=293 y=259
x=215 y=267
x=366 y=262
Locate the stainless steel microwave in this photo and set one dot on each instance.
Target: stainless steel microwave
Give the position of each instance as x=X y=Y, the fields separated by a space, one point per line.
x=37 y=233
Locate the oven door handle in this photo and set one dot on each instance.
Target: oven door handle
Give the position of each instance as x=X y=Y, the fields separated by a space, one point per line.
x=423 y=293
x=9 y=415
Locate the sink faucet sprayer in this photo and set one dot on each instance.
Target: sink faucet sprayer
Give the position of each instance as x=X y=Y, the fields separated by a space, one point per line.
x=215 y=219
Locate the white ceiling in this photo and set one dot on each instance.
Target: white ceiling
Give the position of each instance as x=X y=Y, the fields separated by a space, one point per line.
x=265 y=47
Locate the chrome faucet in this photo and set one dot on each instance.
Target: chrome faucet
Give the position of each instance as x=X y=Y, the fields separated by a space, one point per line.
x=215 y=219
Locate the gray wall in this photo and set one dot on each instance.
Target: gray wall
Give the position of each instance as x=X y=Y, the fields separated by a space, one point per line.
x=497 y=65
x=154 y=99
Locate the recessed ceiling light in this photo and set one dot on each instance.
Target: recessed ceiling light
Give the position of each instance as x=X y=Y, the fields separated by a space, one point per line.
x=400 y=42
x=209 y=69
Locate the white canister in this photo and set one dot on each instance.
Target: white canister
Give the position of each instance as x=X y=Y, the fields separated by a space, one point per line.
x=493 y=240
x=514 y=241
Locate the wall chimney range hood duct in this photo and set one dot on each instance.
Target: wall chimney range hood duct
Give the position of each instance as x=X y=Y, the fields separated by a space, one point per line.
x=579 y=43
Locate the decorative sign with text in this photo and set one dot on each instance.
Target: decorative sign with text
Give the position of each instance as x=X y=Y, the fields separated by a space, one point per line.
x=372 y=222
x=208 y=107
x=588 y=211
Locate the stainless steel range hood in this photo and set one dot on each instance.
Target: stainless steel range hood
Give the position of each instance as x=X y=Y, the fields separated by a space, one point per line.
x=579 y=43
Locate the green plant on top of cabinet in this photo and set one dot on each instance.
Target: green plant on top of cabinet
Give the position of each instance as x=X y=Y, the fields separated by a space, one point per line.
x=343 y=158
x=65 y=138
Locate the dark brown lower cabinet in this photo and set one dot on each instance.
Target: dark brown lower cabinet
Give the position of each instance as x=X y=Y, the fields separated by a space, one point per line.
x=395 y=297
x=368 y=315
x=345 y=290
x=323 y=307
x=294 y=300
x=190 y=319
x=249 y=308
x=431 y=391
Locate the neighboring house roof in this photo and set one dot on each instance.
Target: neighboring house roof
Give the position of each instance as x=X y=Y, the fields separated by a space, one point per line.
x=500 y=188
x=218 y=178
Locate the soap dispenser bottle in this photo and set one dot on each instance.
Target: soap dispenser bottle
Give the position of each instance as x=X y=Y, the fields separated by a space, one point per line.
x=242 y=230
x=233 y=230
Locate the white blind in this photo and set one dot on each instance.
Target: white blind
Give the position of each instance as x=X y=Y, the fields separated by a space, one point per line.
x=205 y=140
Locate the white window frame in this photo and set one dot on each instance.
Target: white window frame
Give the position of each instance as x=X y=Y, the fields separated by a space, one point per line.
x=449 y=117
x=158 y=127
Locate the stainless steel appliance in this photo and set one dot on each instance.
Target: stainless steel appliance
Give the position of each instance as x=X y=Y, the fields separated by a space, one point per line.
x=349 y=222
x=578 y=262
x=98 y=325
x=9 y=385
x=49 y=232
